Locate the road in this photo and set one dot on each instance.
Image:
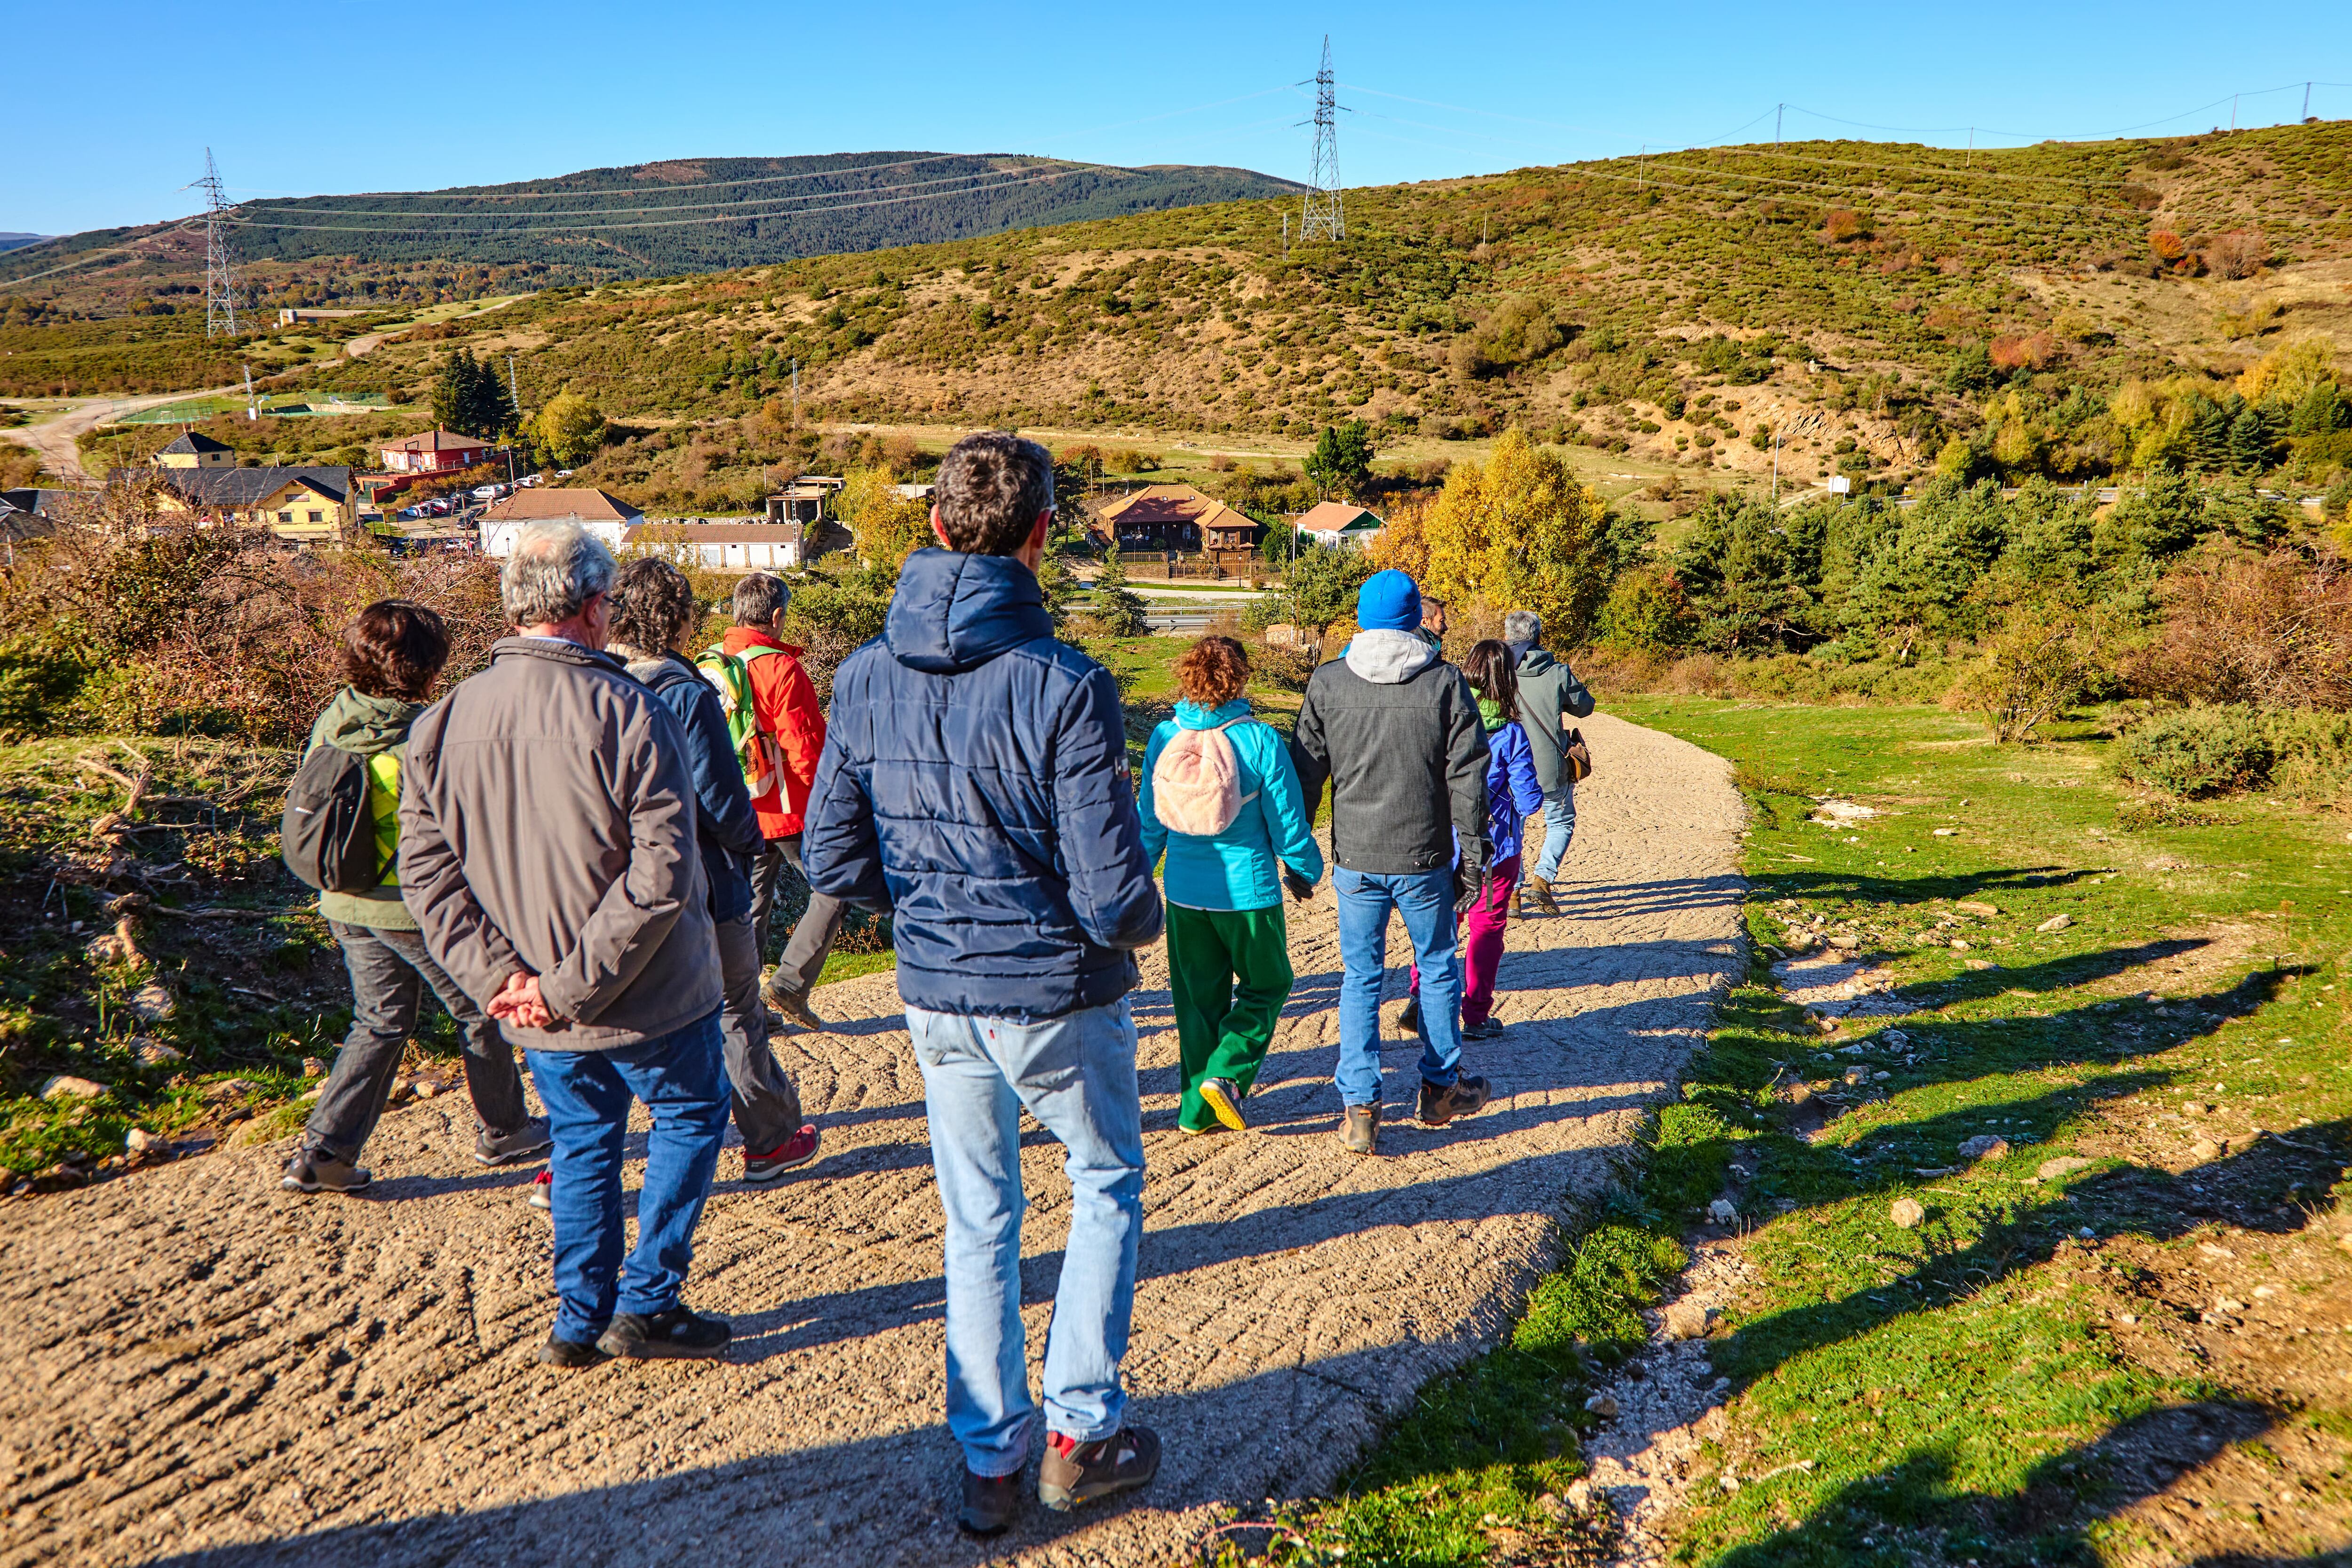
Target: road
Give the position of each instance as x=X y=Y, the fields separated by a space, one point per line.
x=211 y=1372
x=56 y=439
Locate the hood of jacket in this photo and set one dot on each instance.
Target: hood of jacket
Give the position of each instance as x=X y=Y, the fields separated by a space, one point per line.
x=737 y=639
x=1389 y=658
x=354 y=722
x=1536 y=660
x=955 y=612
x=1192 y=716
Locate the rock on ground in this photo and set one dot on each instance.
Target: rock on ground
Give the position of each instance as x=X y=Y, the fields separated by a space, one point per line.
x=209 y=1371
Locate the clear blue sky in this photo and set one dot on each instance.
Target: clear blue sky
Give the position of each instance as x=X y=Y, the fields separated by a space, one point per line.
x=338 y=96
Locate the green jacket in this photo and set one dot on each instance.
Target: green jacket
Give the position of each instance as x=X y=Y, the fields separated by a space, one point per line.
x=1549 y=688
x=377 y=726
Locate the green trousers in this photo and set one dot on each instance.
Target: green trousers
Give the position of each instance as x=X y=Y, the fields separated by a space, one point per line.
x=1229 y=972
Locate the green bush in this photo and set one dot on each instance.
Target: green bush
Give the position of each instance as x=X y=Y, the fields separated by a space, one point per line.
x=2198 y=752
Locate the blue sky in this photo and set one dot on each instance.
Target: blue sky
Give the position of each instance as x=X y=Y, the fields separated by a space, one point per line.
x=337 y=95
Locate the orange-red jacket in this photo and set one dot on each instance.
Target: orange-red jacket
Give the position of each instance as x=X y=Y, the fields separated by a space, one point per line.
x=784 y=703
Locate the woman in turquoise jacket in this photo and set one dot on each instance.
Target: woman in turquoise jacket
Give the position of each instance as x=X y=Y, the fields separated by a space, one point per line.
x=1228 y=955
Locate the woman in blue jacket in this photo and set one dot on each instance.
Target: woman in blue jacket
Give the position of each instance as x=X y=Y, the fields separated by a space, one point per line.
x=1228 y=955
x=1513 y=791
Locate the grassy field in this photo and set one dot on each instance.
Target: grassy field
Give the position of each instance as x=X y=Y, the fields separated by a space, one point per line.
x=2116 y=1338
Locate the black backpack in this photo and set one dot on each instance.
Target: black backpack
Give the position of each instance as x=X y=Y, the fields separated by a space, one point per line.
x=327 y=834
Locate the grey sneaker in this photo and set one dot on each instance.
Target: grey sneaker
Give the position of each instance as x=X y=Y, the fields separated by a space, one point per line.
x=525 y=1143
x=679 y=1333
x=1360 y=1128
x=1484 y=1029
x=1074 y=1473
x=314 y=1169
x=792 y=1004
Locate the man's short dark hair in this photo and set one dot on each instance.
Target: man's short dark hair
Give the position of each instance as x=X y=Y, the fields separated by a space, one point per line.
x=652 y=605
x=758 y=599
x=990 y=488
x=394 y=648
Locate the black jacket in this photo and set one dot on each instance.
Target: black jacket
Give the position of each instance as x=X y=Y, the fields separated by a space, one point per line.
x=727 y=829
x=974 y=782
x=1395 y=729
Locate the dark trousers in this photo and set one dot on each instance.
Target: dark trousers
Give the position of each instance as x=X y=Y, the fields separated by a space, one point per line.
x=389 y=972
x=812 y=938
x=767 y=1106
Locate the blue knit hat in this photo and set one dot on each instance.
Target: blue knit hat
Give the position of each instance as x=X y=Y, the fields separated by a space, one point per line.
x=1388 y=602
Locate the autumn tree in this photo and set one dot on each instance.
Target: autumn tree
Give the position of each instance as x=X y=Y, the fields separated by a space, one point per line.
x=1519 y=532
x=568 y=430
x=888 y=527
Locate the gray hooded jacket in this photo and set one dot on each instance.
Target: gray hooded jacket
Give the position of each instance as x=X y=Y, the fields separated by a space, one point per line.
x=1395 y=730
x=1549 y=688
x=547 y=823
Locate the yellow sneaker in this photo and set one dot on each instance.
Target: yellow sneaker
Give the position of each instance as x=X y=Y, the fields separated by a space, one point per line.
x=1221 y=1096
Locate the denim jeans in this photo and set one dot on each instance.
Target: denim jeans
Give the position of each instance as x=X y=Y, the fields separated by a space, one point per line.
x=767 y=1106
x=1426 y=900
x=587 y=1094
x=1560 y=827
x=812 y=940
x=1076 y=1074
x=389 y=973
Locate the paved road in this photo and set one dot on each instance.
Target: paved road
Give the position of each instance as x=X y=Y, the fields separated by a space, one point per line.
x=208 y=1370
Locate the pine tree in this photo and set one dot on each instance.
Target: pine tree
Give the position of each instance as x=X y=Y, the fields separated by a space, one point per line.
x=1117 y=606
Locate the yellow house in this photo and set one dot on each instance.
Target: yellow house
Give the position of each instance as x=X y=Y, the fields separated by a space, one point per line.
x=302 y=506
x=194 y=451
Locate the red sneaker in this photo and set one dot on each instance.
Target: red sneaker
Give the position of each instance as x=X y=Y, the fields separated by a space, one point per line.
x=798 y=1151
x=541 y=1186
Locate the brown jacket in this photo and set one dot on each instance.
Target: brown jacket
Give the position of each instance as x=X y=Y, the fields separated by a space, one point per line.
x=547 y=823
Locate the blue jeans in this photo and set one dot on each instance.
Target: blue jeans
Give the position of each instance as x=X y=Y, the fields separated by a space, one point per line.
x=682 y=1081
x=1077 y=1076
x=1426 y=900
x=1560 y=827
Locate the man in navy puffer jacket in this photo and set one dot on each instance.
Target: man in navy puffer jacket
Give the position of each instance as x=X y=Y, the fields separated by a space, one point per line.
x=974 y=784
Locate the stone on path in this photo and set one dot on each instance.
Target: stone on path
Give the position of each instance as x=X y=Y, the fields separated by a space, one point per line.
x=236 y=1373
x=1906 y=1213
x=2051 y=1169
x=2055 y=922
x=66 y=1086
x=1984 y=1146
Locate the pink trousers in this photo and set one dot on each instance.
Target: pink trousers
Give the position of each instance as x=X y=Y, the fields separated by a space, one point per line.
x=1482 y=942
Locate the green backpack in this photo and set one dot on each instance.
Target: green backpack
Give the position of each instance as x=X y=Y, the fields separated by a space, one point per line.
x=755 y=749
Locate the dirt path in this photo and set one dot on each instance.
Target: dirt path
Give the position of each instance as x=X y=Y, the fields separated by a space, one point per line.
x=55 y=439
x=210 y=1371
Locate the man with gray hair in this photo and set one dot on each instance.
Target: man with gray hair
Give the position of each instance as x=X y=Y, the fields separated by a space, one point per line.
x=779 y=731
x=1550 y=695
x=548 y=852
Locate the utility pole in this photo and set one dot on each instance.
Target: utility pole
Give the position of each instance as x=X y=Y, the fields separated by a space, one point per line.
x=1286 y=234
x=1322 y=217
x=1776 y=465
x=2233 y=111
x=251 y=411
x=1778 y=110
x=220 y=272
x=1641 y=168
x=1970 y=160
x=796 y=391
x=2306 y=101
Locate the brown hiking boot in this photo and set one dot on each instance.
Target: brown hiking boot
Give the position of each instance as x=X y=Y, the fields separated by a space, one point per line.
x=1074 y=1473
x=1537 y=892
x=1441 y=1103
x=791 y=1006
x=1359 y=1127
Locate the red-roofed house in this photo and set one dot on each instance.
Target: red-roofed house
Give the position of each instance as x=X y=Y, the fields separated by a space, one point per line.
x=434 y=451
x=607 y=517
x=1337 y=523
x=1174 y=517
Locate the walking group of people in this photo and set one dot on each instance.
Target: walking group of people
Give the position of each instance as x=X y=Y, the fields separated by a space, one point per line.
x=578 y=851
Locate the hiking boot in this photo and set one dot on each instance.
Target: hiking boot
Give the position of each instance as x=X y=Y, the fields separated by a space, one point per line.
x=1441 y=1103
x=571 y=1354
x=1223 y=1096
x=314 y=1169
x=525 y=1143
x=1408 y=1021
x=988 y=1502
x=791 y=1005
x=1359 y=1127
x=1538 y=890
x=796 y=1150
x=542 y=1188
x=1484 y=1029
x=1076 y=1472
x=675 y=1334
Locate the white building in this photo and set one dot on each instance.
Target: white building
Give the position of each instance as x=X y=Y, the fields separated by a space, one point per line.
x=604 y=516
x=725 y=546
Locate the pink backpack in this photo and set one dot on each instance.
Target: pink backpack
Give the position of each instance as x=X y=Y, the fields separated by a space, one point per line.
x=1196 y=785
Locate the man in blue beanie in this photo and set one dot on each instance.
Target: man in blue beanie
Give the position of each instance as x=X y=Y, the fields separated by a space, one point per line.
x=1395 y=730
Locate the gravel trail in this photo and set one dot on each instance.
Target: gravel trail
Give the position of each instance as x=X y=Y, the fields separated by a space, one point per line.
x=207 y=1370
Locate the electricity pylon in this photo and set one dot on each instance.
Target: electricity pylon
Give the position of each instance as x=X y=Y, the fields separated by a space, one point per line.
x=1323 y=218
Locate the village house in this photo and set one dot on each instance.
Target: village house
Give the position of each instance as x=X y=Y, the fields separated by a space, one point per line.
x=725 y=545
x=1173 y=517
x=194 y=451
x=434 y=452
x=607 y=517
x=1333 y=522
x=309 y=506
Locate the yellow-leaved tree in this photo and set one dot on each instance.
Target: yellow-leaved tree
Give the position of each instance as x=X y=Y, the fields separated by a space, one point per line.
x=1519 y=532
x=887 y=526
x=1403 y=542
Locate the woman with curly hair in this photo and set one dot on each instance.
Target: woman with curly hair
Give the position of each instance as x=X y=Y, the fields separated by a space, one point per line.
x=1221 y=798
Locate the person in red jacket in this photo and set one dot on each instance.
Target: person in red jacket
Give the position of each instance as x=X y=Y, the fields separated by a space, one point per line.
x=784 y=706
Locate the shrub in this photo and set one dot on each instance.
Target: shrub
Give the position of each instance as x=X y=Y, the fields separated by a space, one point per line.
x=2274 y=630
x=2030 y=669
x=2198 y=752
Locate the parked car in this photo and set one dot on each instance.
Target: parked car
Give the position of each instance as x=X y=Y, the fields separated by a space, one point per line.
x=563 y=473
x=487 y=492
x=410 y=513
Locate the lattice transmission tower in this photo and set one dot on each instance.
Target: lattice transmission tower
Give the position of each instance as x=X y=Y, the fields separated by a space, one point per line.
x=1323 y=218
x=220 y=262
